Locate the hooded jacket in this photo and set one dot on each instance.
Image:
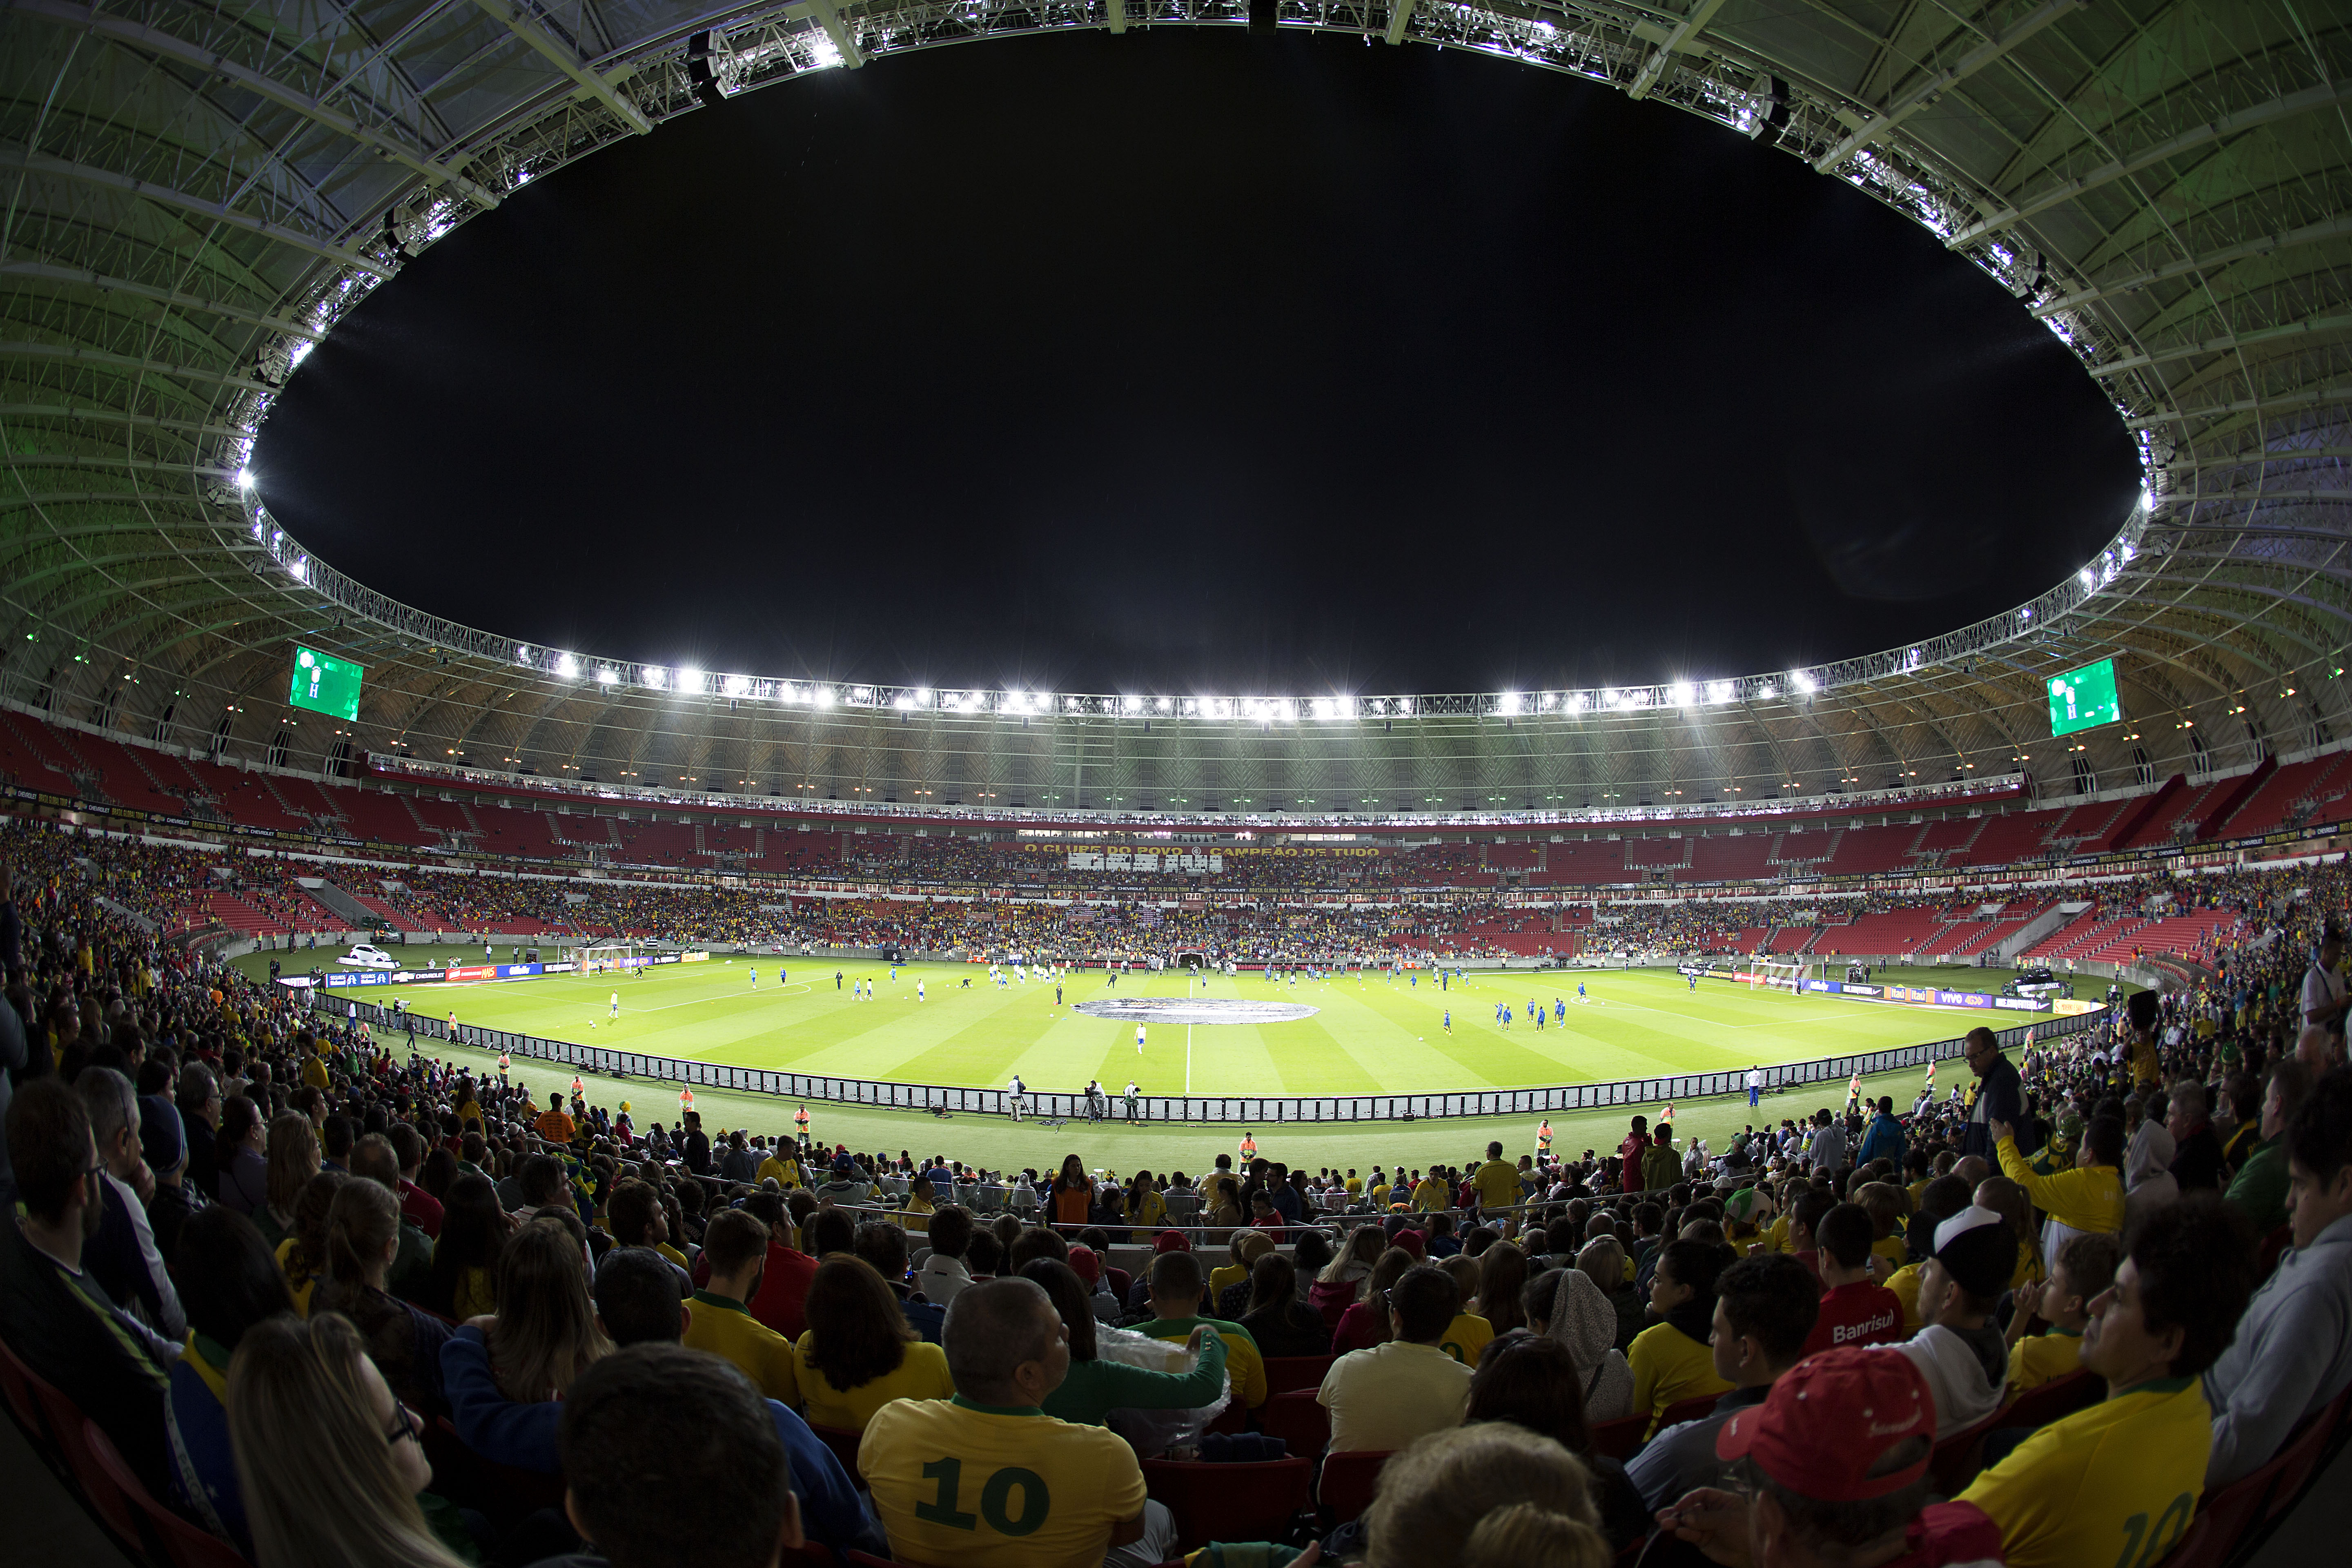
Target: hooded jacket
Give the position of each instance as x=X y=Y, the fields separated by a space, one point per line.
x=1582 y=1320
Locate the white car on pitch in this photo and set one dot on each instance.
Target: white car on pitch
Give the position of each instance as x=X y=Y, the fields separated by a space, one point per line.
x=366 y=955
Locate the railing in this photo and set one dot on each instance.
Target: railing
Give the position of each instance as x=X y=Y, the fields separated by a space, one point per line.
x=1244 y=1111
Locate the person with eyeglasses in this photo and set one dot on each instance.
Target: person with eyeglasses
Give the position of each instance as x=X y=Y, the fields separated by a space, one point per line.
x=333 y=1462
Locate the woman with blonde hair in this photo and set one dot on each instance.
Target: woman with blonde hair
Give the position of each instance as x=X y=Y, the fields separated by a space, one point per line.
x=1335 y=1287
x=329 y=1461
x=362 y=1239
x=1435 y=1496
x=293 y=1160
x=545 y=1333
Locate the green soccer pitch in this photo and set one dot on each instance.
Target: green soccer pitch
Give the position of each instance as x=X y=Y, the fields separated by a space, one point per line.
x=1644 y=1022
x=1370 y=1034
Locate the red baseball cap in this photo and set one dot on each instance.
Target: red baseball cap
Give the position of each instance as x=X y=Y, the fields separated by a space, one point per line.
x=1084 y=1263
x=1831 y=1419
x=1170 y=1241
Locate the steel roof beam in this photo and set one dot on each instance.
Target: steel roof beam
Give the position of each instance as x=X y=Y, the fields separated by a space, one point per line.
x=154 y=40
x=1654 y=67
x=197 y=206
x=517 y=18
x=2336 y=227
x=2325 y=95
x=2228 y=343
x=1936 y=86
x=127 y=362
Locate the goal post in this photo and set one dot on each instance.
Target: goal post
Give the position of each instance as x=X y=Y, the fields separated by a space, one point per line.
x=1782 y=974
x=613 y=959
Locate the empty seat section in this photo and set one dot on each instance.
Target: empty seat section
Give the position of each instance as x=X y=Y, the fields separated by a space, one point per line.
x=1872 y=851
x=1892 y=930
x=445 y=817
x=309 y=798
x=1720 y=858
x=659 y=844
x=125 y=781
x=1656 y=854
x=1583 y=863
x=2282 y=794
x=2178 y=817
x=28 y=756
x=2016 y=836
x=1512 y=857
x=376 y=817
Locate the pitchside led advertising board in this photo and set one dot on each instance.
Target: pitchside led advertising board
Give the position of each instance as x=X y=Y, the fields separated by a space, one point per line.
x=2083 y=698
x=325 y=684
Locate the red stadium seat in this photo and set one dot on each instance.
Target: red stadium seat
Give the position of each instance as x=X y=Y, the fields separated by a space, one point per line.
x=1620 y=1439
x=844 y=1444
x=1229 y=1502
x=1298 y=1420
x=162 y=1537
x=17 y=1383
x=69 y=1429
x=2054 y=1400
x=1683 y=1410
x=1284 y=1373
x=1349 y=1482
x=502 y=1492
x=1958 y=1457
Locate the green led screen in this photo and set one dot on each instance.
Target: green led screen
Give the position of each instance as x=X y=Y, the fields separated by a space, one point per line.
x=325 y=684
x=2083 y=698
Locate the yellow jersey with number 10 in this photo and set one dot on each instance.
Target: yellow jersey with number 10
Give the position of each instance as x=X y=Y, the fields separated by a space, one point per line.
x=982 y=1487
x=2117 y=1484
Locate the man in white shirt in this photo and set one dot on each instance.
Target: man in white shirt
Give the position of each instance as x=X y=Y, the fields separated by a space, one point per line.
x=1381 y=1399
x=1961 y=1351
x=943 y=1274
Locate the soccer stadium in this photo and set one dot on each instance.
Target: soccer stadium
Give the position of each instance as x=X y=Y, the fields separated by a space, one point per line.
x=482 y=1090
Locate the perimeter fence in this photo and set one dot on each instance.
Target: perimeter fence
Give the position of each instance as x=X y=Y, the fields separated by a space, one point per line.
x=1232 y=1110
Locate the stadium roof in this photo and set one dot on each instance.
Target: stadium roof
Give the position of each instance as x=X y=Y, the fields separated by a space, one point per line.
x=196 y=196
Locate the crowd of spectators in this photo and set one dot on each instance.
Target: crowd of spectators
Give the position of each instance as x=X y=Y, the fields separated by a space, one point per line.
x=275 y=1261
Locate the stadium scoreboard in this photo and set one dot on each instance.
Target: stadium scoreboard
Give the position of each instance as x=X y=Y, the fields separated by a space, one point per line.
x=325 y=684
x=2083 y=698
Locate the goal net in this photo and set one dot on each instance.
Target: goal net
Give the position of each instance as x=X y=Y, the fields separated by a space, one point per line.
x=1781 y=975
x=614 y=958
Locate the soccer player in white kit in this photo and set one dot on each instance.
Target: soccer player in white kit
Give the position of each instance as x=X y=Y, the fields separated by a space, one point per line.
x=755 y=977
x=616 y=1004
x=1138 y=1039
x=918 y=997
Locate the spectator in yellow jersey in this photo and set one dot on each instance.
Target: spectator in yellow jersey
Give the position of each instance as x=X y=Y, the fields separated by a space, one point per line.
x=1429 y=1195
x=2084 y=1270
x=859 y=1354
x=719 y=1318
x=1671 y=1359
x=1496 y=1182
x=2119 y=1482
x=1176 y=1311
x=987 y=1479
x=781 y=1166
x=2085 y=1201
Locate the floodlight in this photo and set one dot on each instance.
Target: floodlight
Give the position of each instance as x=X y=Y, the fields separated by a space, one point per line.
x=824 y=696
x=1161 y=704
x=2147 y=497
x=2090 y=578
x=737 y=686
x=566 y=666
x=971 y=701
x=1507 y=704
x=922 y=697
x=1682 y=694
x=1573 y=702
x=904 y=702
x=690 y=680
x=1804 y=683
x=605 y=674
x=245 y=479
x=1720 y=693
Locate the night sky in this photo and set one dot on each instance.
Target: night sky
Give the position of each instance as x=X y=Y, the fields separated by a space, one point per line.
x=1189 y=361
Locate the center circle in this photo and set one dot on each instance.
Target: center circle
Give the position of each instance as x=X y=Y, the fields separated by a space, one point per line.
x=1201 y=1010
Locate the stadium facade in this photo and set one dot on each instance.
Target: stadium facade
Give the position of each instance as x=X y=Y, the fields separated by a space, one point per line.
x=196 y=197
